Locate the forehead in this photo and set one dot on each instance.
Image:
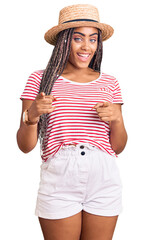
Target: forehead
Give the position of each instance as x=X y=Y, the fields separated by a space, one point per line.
x=86 y=30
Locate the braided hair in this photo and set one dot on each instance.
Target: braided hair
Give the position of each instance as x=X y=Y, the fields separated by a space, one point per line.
x=56 y=66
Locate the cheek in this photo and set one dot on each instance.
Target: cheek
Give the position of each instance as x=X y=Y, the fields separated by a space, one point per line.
x=73 y=52
x=95 y=47
x=70 y=56
x=74 y=48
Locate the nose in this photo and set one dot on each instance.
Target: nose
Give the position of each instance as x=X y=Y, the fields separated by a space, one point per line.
x=85 y=46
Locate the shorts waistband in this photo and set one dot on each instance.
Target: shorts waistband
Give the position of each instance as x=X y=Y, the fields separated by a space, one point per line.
x=80 y=145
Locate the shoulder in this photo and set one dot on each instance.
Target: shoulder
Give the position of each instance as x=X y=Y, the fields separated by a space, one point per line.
x=108 y=76
x=32 y=85
x=37 y=75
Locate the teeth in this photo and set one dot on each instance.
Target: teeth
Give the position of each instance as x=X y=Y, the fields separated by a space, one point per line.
x=83 y=55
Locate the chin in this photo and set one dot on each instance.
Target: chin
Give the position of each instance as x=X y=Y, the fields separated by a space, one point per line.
x=82 y=66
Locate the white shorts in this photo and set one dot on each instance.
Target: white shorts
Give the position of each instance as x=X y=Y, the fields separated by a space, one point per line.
x=77 y=178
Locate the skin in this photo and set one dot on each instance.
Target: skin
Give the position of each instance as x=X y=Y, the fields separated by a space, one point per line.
x=85 y=41
x=87 y=44
x=81 y=226
x=27 y=135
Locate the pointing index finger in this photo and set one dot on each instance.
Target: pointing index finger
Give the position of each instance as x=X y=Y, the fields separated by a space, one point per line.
x=54 y=98
x=97 y=106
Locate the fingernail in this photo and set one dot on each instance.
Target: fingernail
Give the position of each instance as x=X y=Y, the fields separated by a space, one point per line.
x=55 y=98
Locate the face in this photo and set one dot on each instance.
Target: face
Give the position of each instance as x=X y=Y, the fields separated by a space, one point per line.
x=83 y=46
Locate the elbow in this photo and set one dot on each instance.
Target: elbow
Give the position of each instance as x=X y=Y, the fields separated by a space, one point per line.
x=119 y=148
x=25 y=148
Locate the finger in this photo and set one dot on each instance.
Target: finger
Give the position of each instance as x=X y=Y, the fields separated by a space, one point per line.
x=104 y=114
x=106 y=119
x=41 y=95
x=102 y=110
x=97 y=105
x=53 y=98
x=48 y=99
x=106 y=104
x=102 y=107
x=48 y=110
x=92 y=107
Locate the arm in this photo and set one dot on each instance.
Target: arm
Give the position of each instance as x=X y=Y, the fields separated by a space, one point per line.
x=118 y=134
x=113 y=114
x=27 y=135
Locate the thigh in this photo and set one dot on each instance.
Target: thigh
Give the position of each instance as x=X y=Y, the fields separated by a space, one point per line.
x=97 y=227
x=66 y=228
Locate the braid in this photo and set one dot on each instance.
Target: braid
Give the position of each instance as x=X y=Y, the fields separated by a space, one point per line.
x=54 y=69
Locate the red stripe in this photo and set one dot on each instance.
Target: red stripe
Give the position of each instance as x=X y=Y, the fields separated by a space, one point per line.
x=73 y=120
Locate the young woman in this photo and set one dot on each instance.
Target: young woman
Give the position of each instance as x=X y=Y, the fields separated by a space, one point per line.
x=75 y=110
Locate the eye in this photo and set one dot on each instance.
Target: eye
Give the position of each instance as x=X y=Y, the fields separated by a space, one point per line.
x=78 y=39
x=93 y=40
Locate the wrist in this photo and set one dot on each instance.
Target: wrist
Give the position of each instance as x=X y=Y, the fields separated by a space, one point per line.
x=31 y=118
x=27 y=120
x=117 y=122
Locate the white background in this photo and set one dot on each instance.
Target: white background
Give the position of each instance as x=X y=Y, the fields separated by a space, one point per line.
x=22 y=51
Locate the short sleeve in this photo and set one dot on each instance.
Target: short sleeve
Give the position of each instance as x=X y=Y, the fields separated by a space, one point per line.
x=32 y=86
x=117 y=95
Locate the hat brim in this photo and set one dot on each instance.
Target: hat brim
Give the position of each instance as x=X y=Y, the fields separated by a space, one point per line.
x=51 y=35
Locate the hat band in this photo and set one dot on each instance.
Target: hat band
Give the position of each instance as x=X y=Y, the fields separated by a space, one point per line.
x=75 y=20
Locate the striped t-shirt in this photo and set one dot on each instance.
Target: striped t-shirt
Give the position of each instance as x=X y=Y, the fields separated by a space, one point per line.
x=73 y=121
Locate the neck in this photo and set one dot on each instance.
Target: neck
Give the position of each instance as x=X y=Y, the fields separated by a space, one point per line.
x=76 y=71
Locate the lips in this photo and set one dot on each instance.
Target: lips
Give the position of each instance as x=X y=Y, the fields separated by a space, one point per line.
x=83 y=56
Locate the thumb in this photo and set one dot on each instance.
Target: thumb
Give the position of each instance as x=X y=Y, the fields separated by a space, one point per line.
x=40 y=95
x=106 y=104
x=100 y=104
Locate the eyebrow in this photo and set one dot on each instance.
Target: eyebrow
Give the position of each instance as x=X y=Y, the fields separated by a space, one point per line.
x=84 y=34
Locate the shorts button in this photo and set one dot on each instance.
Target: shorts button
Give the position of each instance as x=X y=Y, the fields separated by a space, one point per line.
x=81 y=146
x=82 y=153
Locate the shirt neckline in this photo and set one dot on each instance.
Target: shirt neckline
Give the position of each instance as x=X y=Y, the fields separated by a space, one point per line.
x=78 y=83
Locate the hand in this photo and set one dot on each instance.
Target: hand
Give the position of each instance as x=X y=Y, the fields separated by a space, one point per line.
x=41 y=105
x=108 y=111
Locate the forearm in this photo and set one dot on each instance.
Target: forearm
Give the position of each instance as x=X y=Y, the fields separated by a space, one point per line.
x=27 y=137
x=118 y=135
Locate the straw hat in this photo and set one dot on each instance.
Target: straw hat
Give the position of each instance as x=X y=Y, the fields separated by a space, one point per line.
x=79 y=15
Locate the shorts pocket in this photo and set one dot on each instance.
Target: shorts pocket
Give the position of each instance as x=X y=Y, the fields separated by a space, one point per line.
x=109 y=169
x=49 y=164
x=47 y=179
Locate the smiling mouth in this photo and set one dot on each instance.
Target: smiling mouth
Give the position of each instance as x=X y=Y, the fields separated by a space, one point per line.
x=83 y=56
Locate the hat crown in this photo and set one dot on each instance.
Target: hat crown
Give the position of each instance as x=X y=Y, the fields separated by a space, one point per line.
x=79 y=11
